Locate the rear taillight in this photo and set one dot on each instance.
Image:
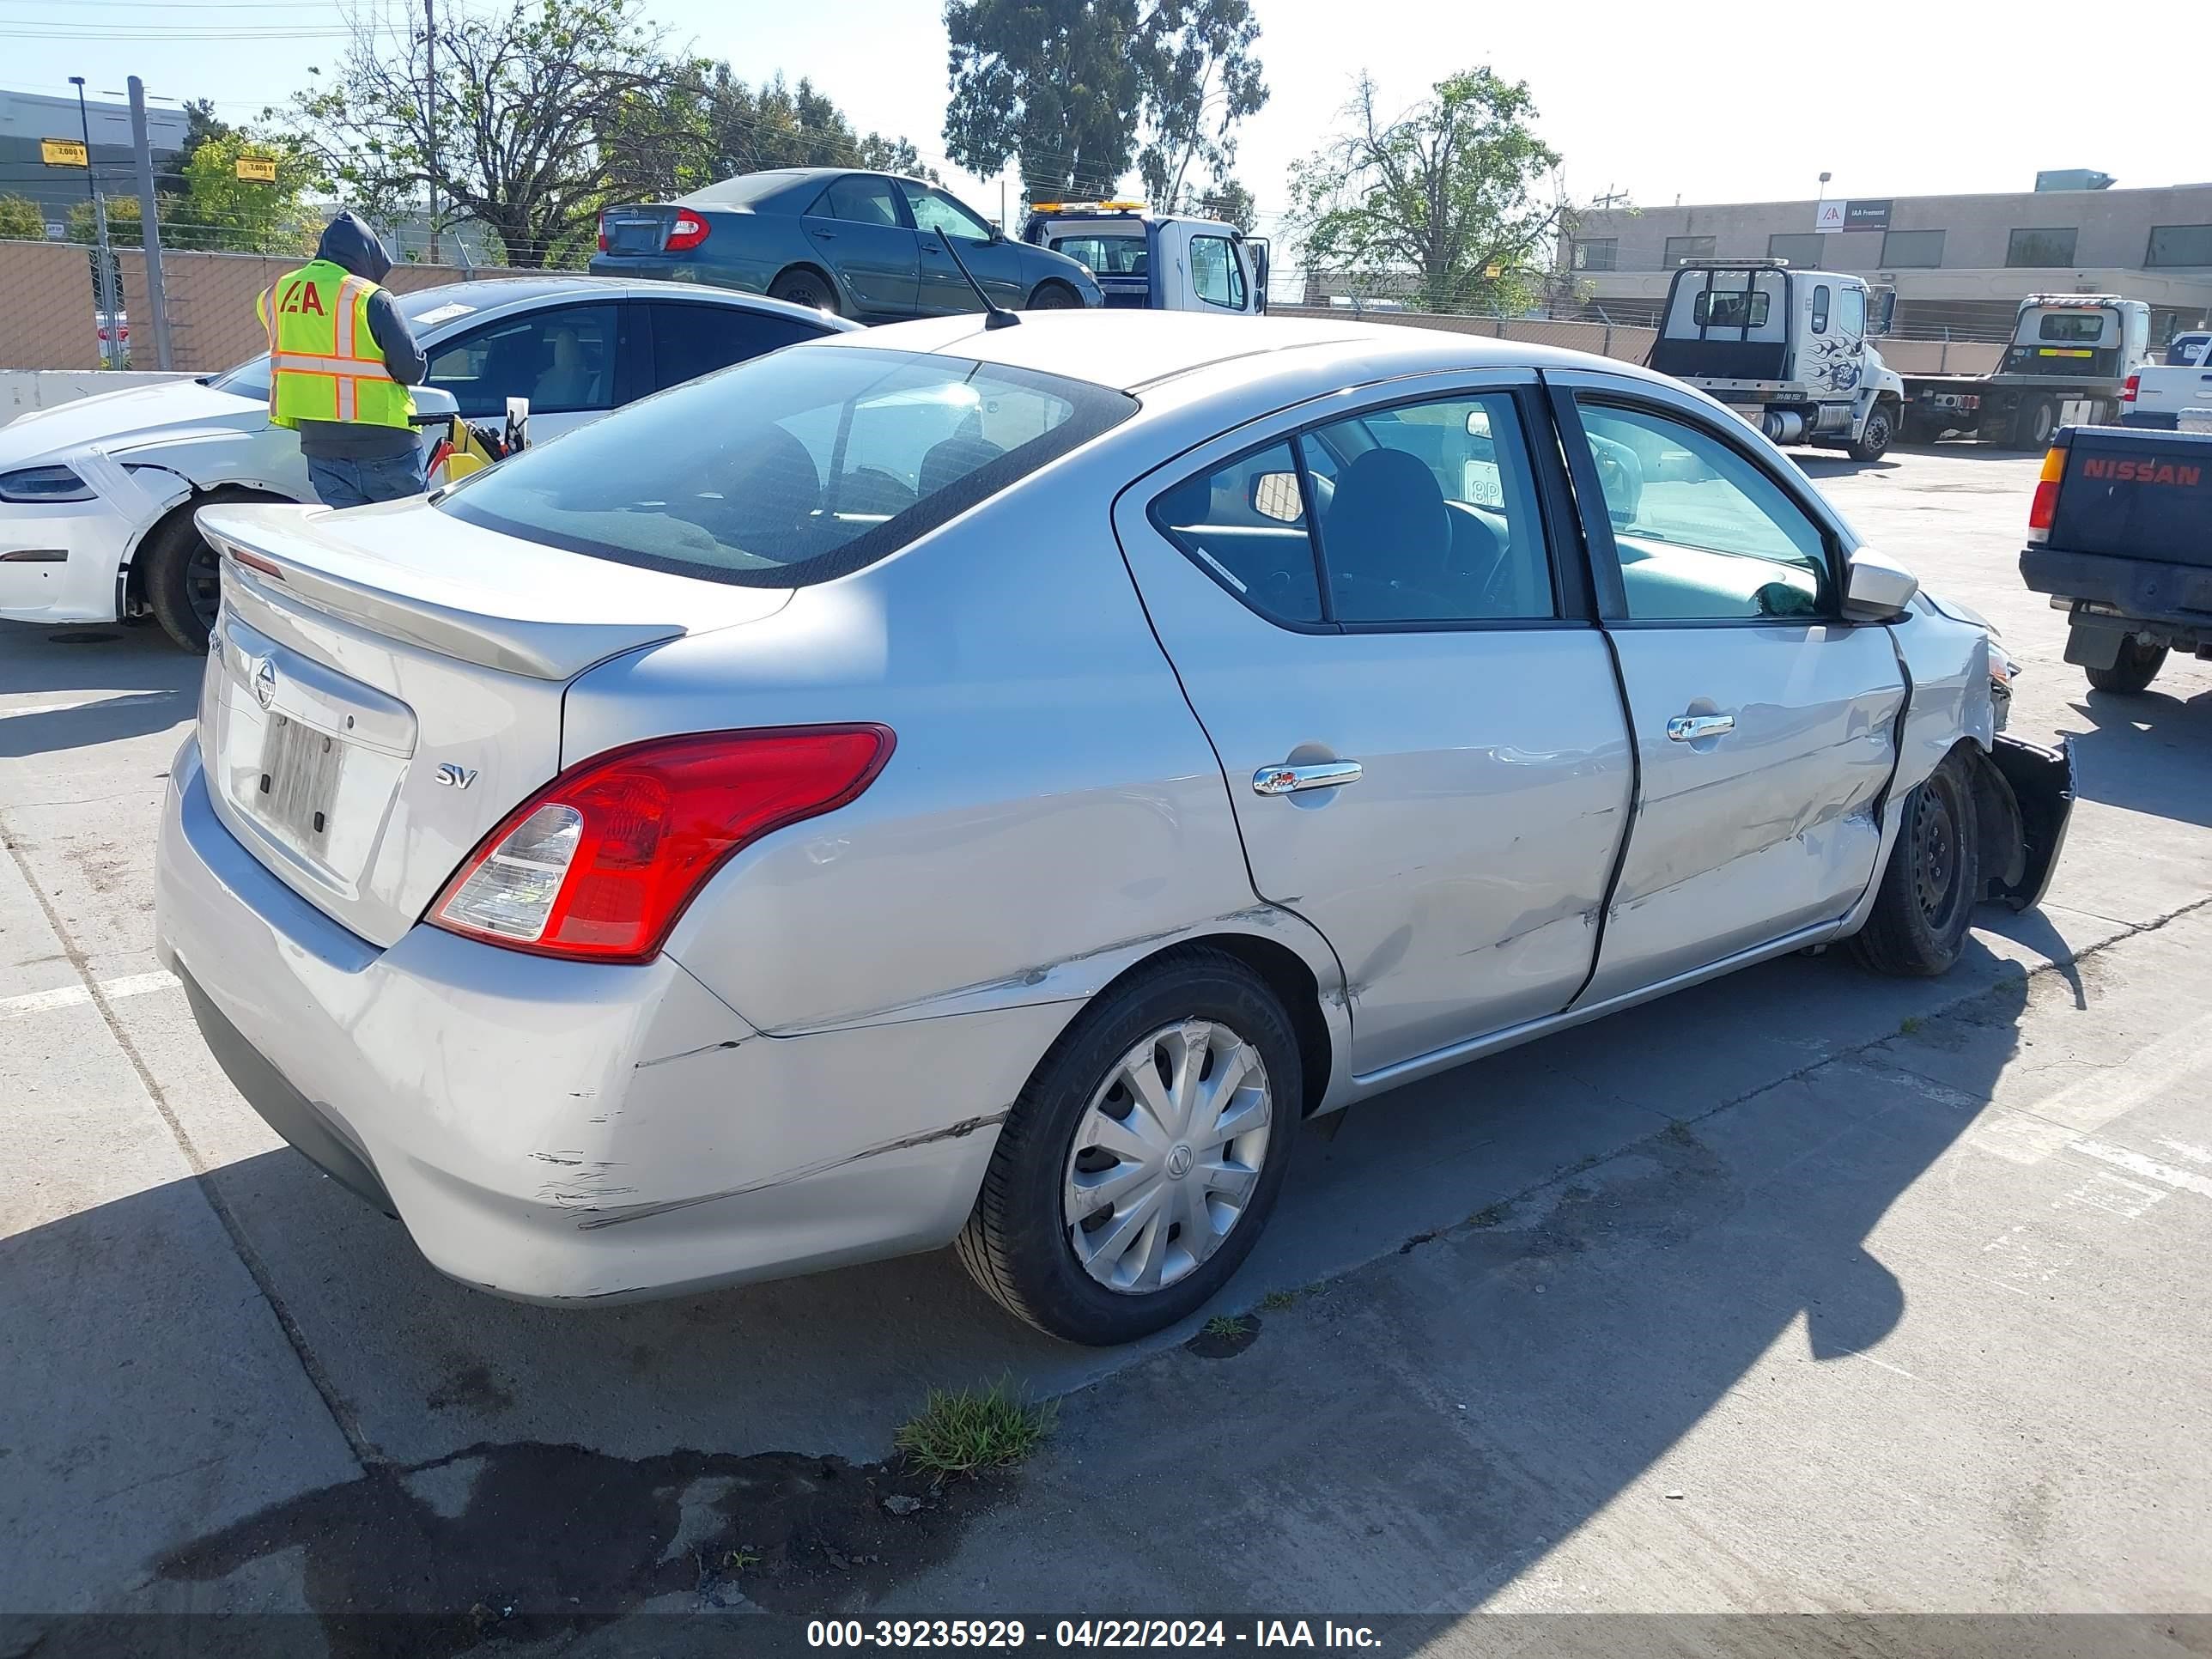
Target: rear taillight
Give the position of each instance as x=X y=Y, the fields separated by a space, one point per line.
x=686 y=233
x=2134 y=385
x=603 y=230
x=600 y=863
x=2045 y=504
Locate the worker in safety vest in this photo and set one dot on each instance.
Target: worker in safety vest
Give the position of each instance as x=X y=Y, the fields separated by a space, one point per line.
x=341 y=360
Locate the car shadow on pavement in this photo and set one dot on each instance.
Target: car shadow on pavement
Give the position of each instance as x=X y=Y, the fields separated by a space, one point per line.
x=1685 y=1179
x=118 y=682
x=2146 y=752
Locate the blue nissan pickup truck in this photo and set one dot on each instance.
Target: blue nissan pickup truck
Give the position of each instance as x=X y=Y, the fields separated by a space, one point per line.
x=2120 y=537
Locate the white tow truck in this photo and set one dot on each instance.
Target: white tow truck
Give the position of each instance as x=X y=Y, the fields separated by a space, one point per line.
x=1149 y=262
x=1788 y=350
x=2069 y=363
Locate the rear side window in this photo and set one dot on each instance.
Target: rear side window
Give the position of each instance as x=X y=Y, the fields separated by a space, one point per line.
x=1820 y=308
x=2071 y=327
x=1731 y=309
x=861 y=198
x=791 y=469
x=689 y=340
x=1244 y=523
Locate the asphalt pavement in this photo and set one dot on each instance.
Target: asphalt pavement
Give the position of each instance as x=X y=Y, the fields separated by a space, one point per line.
x=1803 y=1292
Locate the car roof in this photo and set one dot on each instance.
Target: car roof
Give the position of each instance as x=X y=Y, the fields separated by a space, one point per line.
x=1134 y=351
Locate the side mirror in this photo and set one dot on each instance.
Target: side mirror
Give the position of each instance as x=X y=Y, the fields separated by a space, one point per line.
x=434 y=405
x=1876 y=589
x=997 y=233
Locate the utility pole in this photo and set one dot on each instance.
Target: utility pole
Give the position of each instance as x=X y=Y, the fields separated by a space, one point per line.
x=111 y=345
x=430 y=111
x=149 y=219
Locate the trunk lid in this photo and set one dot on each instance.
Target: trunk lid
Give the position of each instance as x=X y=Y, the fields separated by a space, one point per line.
x=636 y=229
x=386 y=684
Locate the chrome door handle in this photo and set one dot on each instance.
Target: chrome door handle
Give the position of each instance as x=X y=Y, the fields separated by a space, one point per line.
x=1688 y=728
x=1288 y=779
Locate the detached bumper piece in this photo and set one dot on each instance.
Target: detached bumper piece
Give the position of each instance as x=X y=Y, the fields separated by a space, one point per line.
x=2041 y=782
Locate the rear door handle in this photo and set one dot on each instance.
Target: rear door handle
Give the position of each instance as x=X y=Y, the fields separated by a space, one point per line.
x=826 y=236
x=1688 y=728
x=1287 y=779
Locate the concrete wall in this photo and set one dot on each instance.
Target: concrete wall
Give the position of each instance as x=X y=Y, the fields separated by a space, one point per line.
x=23 y=389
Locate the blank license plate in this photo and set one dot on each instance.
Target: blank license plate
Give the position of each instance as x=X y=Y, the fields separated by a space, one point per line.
x=298 y=784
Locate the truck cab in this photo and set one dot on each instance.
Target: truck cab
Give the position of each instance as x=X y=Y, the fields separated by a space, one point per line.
x=1146 y=261
x=1788 y=350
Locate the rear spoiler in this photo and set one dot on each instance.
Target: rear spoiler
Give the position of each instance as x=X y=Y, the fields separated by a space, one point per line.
x=298 y=568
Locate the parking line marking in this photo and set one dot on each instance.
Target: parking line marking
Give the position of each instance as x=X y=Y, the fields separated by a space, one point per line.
x=73 y=996
x=2193 y=1153
x=2150 y=1169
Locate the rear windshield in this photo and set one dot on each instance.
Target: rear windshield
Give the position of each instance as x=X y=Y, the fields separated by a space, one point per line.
x=2072 y=327
x=1725 y=309
x=791 y=469
x=741 y=192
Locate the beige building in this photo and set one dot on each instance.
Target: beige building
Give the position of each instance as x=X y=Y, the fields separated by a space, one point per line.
x=1961 y=264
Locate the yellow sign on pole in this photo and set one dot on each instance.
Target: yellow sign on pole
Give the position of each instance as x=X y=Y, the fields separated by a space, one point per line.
x=63 y=153
x=255 y=167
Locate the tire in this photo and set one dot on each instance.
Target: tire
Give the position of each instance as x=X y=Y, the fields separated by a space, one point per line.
x=1018 y=1243
x=183 y=580
x=2033 y=422
x=805 y=288
x=2132 y=670
x=1875 y=436
x=1926 y=901
x=1054 y=296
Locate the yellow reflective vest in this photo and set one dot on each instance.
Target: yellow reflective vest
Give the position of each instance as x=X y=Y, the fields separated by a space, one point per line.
x=324 y=365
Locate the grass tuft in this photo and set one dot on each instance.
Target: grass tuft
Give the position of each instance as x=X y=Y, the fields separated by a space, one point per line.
x=1277 y=1301
x=1488 y=1216
x=1909 y=1024
x=1226 y=1325
x=960 y=1432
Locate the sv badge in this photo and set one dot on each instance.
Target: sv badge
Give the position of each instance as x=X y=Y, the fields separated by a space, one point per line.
x=455 y=777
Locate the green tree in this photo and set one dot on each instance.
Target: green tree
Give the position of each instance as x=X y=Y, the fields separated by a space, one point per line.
x=125 y=226
x=21 y=220
x=1058 y=84
x=1445 y=197
x=527 y=97
x=1202 y=78
x=220 y=211
x=1230 y=202
x=725 y=127
x=202 y=123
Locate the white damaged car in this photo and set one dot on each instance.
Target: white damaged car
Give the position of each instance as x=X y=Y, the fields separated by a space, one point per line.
x=97 y=496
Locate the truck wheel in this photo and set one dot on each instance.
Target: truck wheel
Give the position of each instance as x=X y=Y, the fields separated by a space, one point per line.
x=1873 y=440
x=1919 y=924
x=2133 y=670
x=2031 y=426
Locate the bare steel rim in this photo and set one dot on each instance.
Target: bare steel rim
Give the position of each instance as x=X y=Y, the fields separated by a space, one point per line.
x=1167 y=1156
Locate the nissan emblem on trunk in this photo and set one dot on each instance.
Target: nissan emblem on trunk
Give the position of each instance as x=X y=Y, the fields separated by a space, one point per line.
x=264 y=683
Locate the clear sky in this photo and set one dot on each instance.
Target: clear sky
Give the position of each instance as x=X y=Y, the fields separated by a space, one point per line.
x=1703 y=103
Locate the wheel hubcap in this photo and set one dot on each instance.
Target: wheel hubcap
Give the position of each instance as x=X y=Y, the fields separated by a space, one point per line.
x=1167 y=1156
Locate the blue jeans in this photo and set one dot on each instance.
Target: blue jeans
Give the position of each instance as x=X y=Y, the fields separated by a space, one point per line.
x=343 y=483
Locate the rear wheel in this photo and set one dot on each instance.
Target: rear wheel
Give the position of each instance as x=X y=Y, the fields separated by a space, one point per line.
x=1874 y=437
x=1054 y=296
x=2132 y=670
x=805 y=287
x=1143 y=1157
x=1926 y=901
x=2033 y=424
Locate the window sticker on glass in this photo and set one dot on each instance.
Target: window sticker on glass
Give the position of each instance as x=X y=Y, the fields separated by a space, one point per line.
x=442 y=315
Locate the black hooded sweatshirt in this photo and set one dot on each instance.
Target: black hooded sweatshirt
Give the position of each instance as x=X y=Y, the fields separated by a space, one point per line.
x=348 y=242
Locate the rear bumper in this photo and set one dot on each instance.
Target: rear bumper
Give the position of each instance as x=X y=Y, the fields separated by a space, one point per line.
x=554 y=1130
x=2154 y=589
x=58 y=563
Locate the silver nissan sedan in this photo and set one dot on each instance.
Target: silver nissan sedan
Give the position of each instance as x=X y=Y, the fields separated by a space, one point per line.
x=988 y=784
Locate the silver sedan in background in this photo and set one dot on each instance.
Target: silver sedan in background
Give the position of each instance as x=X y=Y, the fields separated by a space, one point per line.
x=949 y=784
